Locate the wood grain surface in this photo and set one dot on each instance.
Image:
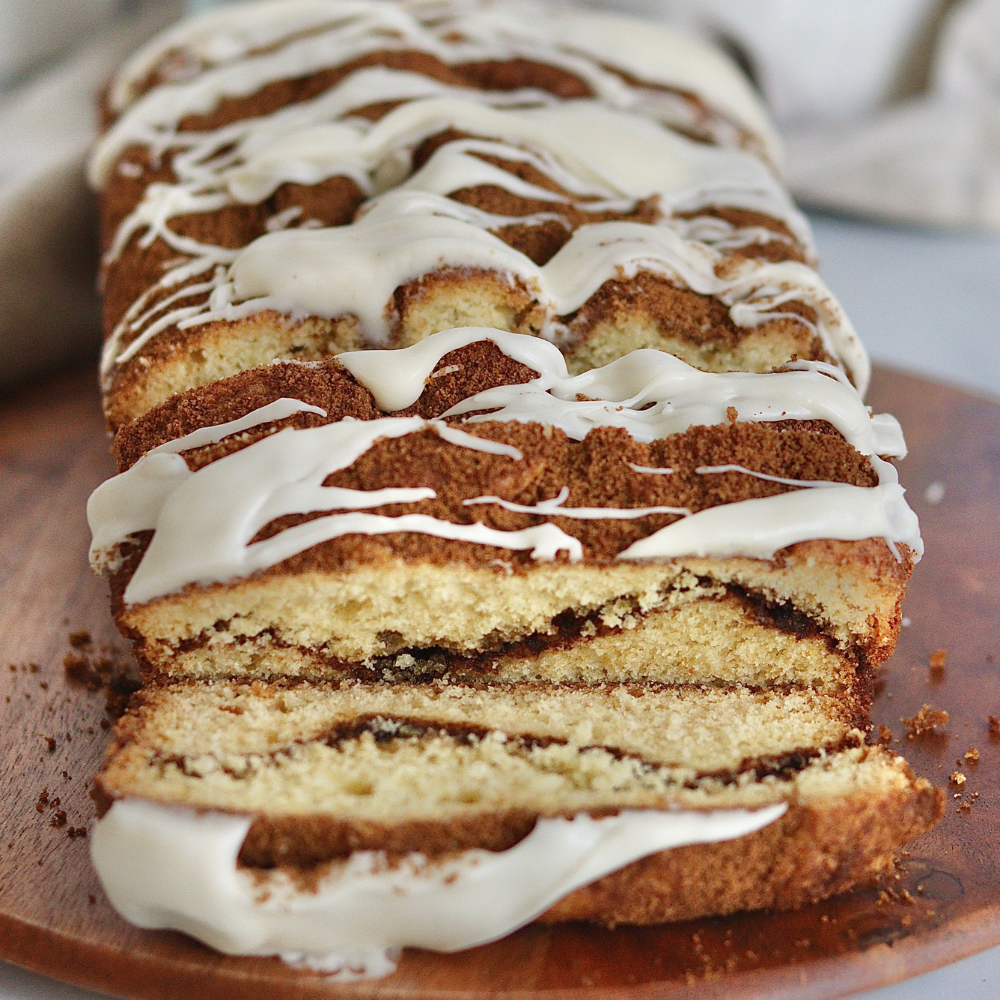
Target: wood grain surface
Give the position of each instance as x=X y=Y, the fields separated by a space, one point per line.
x=55 y=919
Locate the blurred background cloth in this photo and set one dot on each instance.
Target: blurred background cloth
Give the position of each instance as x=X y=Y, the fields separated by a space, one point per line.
x=55 y=56
x=889 y=109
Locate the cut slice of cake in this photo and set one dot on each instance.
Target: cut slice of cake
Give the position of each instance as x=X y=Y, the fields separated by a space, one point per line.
x=643 y=520
x=774 y=793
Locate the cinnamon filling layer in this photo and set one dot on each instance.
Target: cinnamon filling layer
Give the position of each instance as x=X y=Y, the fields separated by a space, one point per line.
x=306 y=841
x=311 y=839
x=426 y=664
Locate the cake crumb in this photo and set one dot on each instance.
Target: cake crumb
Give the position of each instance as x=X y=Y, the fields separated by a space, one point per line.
x=925 y=721
x=78 y=640
x=964 y=808
x=937 y=661
x=50 y=742
x=108 y=669
x=972 y=755
x=957 y=778
x=994 y=724
x=884 y=735
x=80 y=671
x=732 y=414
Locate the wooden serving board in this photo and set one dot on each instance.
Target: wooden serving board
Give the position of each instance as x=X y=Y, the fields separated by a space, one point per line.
x=55 y=919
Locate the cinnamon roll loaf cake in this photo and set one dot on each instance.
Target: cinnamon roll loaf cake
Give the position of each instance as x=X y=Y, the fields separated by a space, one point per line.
x=498 y=523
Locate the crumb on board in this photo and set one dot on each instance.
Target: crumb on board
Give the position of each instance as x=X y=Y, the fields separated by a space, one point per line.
x=925 y=721
x=972 y=755
x=107 y=669
x=78 y=640
x=994 y=724
x=957 y=778
x=884 y=735
x=937 y=661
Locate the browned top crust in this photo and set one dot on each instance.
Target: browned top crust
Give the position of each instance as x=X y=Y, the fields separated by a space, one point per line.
x=476 y=367
x=597 y=470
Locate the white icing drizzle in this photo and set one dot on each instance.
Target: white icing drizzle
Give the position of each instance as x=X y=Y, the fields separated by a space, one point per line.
x=406 y=233
x=650 y=393
x=650 y=470
x=455 y=436
x=170 y=867
x=303 y=36
x=554 y=507
x=760 y=527
x=710 y=470
x=582 y=145
x=280 y=409
x=204 y=521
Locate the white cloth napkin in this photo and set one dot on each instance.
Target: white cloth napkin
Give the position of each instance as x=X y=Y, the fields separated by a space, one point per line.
x=48 y=251
x=932 y=159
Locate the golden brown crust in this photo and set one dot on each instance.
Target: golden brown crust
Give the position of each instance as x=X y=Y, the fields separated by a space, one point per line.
x=809 y=854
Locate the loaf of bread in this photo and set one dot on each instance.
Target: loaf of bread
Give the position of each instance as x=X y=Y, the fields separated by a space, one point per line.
x=498 y=523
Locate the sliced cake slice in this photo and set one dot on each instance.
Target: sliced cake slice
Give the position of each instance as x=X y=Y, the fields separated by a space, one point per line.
x=320 y=787
x=465 y=508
